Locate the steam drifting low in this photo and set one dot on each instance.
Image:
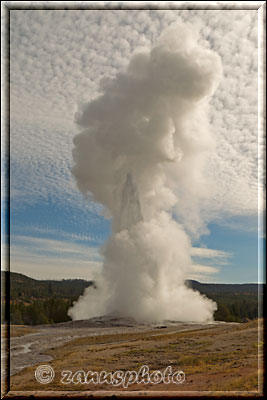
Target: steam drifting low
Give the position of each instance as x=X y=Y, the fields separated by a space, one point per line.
x=141 y=152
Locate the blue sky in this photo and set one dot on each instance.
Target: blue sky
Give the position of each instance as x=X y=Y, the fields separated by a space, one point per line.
x=58 y=59
x=64 y=241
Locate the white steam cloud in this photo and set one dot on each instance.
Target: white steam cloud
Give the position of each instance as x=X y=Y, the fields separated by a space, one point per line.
x=141 y=153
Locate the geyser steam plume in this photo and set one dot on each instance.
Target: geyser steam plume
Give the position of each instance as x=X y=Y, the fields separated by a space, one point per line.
x=141 y=153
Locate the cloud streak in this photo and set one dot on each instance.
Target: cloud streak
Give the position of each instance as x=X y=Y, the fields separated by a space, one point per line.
x=52 y=259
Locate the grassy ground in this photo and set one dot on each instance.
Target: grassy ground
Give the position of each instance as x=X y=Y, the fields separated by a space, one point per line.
x=17 y=330
x=21 y=330
x=223 y=358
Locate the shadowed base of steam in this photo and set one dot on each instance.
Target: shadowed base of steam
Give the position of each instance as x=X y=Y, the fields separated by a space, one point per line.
x=113 y=320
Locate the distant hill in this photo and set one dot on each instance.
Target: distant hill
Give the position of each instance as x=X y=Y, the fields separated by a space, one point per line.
x=22 y=286
x=206 y=288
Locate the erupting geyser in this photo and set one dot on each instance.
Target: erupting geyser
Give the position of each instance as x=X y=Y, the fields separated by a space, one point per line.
x=141 y=152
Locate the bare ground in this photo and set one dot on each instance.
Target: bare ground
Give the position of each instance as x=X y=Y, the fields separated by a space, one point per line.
x=217 y=357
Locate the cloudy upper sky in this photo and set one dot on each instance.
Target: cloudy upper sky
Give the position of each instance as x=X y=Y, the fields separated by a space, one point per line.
x=57 y=60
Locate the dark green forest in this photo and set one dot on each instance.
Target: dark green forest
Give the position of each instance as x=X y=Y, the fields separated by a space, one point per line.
x=40 y=312
x=36 y=302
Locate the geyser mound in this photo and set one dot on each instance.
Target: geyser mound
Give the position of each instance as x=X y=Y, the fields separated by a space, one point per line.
x=141 y=153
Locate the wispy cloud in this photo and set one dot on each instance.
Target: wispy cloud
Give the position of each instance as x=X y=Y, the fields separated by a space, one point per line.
x=61 y=234
x=202 y=272
x=207 y=263
x=55 y=259
x=211 y=256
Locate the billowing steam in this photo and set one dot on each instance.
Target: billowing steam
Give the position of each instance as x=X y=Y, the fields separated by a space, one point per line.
x=141 y=153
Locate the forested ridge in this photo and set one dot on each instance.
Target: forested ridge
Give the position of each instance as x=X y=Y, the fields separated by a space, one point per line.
x=35 y=302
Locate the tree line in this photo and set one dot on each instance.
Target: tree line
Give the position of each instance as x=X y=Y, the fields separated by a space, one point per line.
x=34 y=302
x=40 y=312
x=231 y=308
x=236 y=308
